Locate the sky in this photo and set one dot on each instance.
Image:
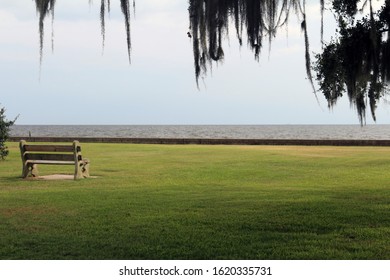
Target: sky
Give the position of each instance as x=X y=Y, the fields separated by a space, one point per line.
x=79 y=82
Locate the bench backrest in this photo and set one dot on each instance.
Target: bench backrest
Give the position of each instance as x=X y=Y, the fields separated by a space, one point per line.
x=51 y=152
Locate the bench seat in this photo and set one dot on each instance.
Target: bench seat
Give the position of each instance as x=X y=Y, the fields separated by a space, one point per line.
x=58 y=162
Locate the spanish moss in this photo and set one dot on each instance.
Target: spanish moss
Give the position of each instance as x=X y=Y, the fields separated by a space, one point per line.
x=126 y=12
x=102 y=19
x=46 y=7
x=358 y=61
x=209 y=22
x=307 y=53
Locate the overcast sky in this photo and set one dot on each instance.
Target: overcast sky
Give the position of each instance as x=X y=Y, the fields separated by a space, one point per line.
x=80 y=83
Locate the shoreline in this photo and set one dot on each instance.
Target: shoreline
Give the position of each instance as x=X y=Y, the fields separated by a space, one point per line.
x=209 y=141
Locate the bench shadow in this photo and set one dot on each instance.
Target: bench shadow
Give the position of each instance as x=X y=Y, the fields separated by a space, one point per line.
x=52 y=177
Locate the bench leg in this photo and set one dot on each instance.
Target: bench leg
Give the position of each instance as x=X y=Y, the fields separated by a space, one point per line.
x=30 y=170
x=85 y=169
x=82 y=170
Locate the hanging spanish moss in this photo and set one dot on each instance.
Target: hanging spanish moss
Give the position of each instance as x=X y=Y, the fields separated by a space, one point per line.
x=209 y=23
x=126 y=12
x=358 y=61
x=46 y=7
x=103 y=9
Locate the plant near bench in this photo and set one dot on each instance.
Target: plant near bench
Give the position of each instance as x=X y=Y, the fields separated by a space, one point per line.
x=5 y=126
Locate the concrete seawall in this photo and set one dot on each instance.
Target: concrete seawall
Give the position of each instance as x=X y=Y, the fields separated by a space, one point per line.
x=202 y=141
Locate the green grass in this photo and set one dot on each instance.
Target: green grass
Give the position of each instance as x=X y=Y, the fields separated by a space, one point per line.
x=202 y=202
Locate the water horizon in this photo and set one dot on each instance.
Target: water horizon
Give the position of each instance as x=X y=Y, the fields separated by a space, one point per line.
x=275 y=131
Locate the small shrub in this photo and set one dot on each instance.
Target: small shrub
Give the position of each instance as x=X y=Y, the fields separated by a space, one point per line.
x=5 y=126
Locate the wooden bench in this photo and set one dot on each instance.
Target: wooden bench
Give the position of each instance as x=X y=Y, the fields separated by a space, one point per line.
x=32 y=155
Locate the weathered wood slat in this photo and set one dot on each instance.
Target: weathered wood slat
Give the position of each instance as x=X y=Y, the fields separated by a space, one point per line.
x=49 y=157
x=56 y=162
x=47 y=148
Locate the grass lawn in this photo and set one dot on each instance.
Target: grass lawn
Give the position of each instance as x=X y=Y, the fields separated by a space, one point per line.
x=201 y=202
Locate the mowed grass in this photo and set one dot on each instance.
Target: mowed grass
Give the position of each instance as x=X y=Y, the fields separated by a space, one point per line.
x=202 y=202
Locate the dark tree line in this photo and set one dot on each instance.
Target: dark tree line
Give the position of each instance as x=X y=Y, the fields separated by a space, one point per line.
x=356 y=61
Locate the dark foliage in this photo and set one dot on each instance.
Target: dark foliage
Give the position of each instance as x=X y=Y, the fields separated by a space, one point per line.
x=358 y=61
x=345 y=7
x=4 y=133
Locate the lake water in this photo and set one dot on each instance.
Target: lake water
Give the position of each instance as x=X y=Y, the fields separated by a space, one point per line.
x=369 y=132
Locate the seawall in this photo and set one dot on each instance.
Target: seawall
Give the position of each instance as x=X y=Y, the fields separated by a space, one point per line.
x=203 y=141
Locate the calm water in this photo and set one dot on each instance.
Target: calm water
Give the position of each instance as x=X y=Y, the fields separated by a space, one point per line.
x=208 y=131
